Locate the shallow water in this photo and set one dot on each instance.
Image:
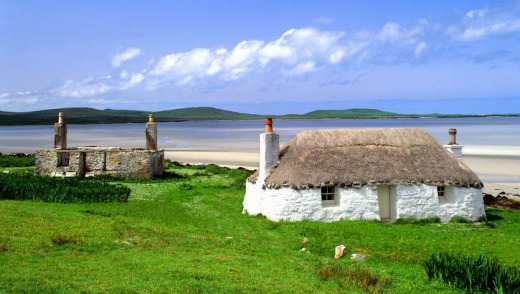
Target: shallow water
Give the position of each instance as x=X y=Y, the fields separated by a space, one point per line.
x=217 y=135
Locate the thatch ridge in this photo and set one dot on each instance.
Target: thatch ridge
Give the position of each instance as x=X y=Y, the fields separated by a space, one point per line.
x=358 y=157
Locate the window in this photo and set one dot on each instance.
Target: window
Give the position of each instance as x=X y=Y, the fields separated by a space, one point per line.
x=63 y=159
x=328 y=194
x=441 y=192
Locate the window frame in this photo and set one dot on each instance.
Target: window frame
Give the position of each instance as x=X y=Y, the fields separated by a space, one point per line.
x=328 y=195
x=441 y=192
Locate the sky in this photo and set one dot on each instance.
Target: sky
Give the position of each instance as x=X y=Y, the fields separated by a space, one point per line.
x=263 y=57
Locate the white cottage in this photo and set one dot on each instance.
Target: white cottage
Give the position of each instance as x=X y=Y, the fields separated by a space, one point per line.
x=368 y=174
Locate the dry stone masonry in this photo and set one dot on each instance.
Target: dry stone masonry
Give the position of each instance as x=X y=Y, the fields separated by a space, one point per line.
x=90 y=161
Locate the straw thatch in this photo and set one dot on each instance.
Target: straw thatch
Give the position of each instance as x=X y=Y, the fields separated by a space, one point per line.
x=358 y=157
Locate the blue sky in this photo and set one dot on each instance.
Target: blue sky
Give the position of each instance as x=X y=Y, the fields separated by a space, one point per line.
x=268 y=57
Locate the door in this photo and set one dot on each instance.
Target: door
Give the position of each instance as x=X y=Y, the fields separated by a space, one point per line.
x=383 y=193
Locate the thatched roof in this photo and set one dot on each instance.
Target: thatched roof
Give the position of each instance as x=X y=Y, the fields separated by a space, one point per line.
x=358 y=157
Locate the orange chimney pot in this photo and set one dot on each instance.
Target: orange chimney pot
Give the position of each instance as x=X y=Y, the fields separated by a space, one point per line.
x=268 y=125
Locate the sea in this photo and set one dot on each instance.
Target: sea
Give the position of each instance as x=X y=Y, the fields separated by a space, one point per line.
x=487 y=137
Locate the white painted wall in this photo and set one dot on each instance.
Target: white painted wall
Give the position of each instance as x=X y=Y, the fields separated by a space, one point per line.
x=407 y=202
x=455 y=149
x=269 y=153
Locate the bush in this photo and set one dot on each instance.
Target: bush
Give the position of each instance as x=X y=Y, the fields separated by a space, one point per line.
x=68 y=190
x=474 y=274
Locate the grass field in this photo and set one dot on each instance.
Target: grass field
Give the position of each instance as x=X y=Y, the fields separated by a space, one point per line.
x=186 y=234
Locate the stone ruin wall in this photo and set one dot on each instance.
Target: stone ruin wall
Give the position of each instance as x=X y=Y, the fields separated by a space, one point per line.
x=93 y=161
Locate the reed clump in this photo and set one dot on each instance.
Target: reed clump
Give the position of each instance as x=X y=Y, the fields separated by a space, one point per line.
x=473 y=274
x=68 y=190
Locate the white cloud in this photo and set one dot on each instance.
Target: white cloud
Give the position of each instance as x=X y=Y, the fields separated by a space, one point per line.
x=302 y=68
x=293 y=52
x=492 y=28
x=86 y=88
x=487 y=22
x=476 y=13
x=126 y=55
x=123 y=74
x=194 y=62
x=297 y=45
x=134 y=80
x=419 y=49
x=19 y=98
x=99 y=101
x=395 y=33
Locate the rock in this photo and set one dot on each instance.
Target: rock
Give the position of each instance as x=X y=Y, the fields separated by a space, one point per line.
x=358 y=257
x=489 y=199
x=305 y=240
x=339 y=251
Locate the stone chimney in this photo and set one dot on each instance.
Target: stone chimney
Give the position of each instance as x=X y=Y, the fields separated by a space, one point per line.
x=269 y=149
x=452 y=146
x=60 y=133
x=453 y=137
x=151 y=134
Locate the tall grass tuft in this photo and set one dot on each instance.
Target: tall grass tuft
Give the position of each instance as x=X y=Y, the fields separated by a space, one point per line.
x=364 y=278
x=473 y=274
x=68 y=190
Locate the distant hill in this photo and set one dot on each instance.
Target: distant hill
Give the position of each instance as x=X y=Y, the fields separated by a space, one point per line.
x=81 y=115
x=202 y=113
x=353 y=113
x=85 y=115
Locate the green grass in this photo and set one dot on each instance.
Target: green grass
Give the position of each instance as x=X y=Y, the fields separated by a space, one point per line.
x=186 y=234
x=16 y=160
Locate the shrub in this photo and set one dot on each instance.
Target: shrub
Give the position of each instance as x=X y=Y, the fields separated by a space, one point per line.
x=474 y=274
x=68 y=190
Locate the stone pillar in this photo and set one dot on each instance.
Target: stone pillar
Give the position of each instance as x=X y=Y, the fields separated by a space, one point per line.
x=269 y=149
x=151 y=134
x=452 y=146
x=60 y=133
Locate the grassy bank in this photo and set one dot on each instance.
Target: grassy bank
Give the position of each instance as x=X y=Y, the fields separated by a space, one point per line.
x=186 y=233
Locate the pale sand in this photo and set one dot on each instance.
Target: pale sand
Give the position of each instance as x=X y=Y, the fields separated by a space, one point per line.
x=497 y=172
x=247 y=160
